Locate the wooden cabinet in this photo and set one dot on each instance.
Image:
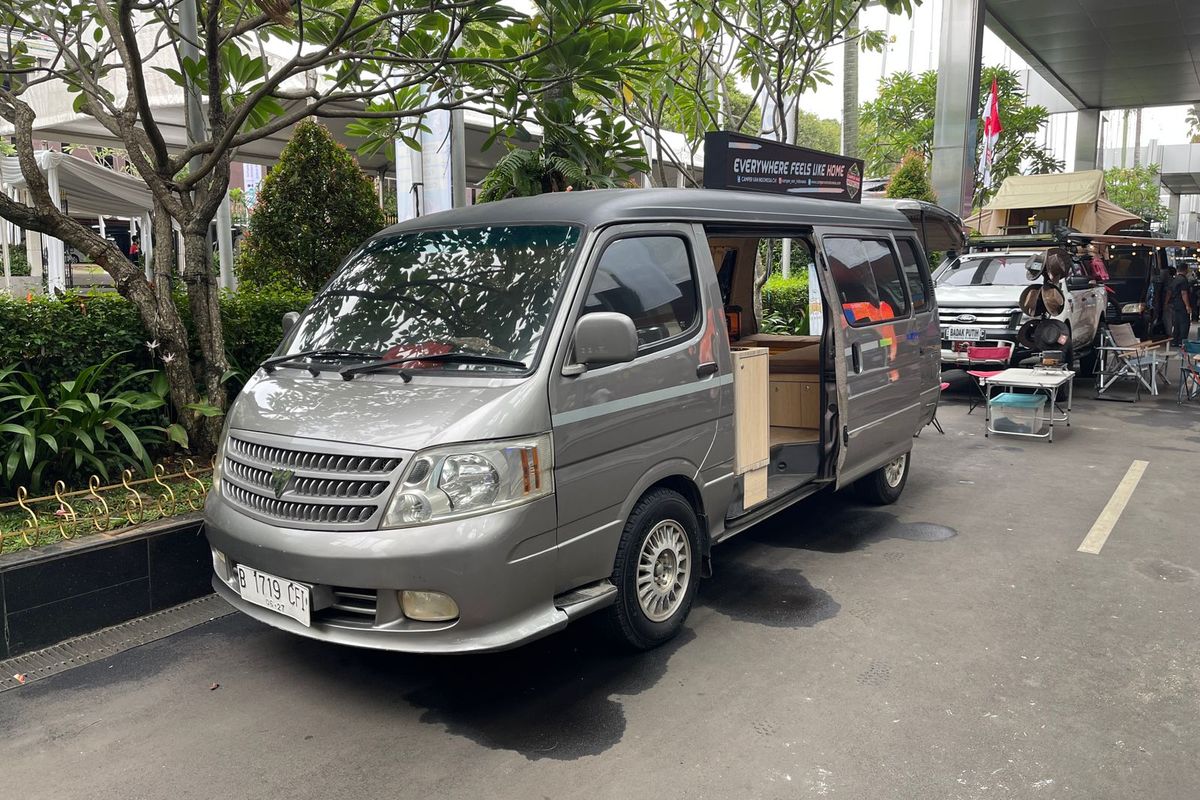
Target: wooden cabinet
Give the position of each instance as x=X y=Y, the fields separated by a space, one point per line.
x=795 y=401
x=751 y=422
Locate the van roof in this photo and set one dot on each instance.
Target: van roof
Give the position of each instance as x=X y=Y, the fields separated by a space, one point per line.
x=597 y=207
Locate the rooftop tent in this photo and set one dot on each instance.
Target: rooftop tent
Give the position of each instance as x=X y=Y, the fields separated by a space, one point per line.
x=1079 y=198
x=83 y=188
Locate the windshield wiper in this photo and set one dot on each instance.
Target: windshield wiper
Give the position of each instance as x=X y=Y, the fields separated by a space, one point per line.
x=348 y=373
x=289 y=360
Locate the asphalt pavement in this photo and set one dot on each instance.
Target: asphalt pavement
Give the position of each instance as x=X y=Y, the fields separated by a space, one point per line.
x=954 y=645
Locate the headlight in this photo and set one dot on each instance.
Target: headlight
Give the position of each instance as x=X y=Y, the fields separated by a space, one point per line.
x=1133 y=308
x=468 y=479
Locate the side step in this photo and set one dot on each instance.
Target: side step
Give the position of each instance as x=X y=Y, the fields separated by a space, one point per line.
x=586 y=599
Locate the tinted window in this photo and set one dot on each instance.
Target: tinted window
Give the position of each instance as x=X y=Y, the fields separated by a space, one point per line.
x=915 y=273
x=650 y=279
x=985 y=270
x=868 y=280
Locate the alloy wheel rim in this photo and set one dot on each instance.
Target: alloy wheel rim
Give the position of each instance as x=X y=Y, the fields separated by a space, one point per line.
x=664 y=570
x=893 y=471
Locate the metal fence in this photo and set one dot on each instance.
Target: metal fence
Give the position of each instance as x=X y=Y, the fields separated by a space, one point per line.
x=100 y=508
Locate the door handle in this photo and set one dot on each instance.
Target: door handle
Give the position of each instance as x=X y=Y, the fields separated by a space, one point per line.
x=706 y=369
x=856 y=358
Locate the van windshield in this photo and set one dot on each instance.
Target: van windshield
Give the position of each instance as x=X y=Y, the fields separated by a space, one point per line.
x=486 y=291
x=999 y=269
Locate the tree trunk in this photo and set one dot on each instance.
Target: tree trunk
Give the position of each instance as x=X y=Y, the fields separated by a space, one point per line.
x=203 y=301
x=850 y=91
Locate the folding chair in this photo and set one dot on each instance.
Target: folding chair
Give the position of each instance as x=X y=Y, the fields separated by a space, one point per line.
x=1125 y=357
x=1189 y=371
x=998 y=355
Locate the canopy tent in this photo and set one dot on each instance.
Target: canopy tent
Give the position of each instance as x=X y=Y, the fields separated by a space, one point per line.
x=1090 y=210
x=84 y=188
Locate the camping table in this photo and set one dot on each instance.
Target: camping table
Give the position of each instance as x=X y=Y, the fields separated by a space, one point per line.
x=1040 y=380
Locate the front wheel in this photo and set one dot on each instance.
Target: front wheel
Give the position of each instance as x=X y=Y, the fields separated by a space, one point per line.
x=884 y=486
x=656 y=571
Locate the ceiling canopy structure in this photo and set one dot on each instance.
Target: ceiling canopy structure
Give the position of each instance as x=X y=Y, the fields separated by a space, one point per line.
x=1107 y=53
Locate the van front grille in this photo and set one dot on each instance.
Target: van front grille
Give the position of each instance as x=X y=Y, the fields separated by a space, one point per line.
x=293 y=511
x=308 y=460
x=306 y=487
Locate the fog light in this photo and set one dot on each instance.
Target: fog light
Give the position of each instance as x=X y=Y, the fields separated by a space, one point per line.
x=428 y=606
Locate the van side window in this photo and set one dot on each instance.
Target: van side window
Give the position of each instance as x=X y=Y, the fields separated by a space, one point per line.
x=650 y=279
x=915 y=273
x=868 y=280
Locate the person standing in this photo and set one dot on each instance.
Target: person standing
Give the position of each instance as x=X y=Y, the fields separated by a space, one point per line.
x=1177 y=306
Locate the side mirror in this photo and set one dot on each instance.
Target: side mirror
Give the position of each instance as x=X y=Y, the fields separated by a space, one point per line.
x=1078 y=283
x=289 y=322
x=603 y=338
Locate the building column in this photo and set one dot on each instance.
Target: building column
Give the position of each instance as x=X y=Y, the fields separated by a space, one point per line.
x=1087 y=134
x=956 y=112
x=1173 y=213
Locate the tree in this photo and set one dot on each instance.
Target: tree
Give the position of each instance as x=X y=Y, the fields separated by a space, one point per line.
x=900 y=120
x=1193 y=122
x=1136 y=189
x=313 y=208
x=778 y=48
x=911 y=179
x=850 y=110
x=817 y=132
x=382 y=64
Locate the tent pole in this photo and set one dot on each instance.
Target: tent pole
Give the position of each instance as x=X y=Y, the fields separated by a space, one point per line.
x=55 y=249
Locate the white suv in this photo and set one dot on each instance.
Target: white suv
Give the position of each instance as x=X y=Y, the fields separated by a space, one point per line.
x=978 y=297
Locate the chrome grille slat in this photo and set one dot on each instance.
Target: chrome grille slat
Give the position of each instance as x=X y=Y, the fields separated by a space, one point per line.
x=300 y=459
x=258 y=478
x=295 y=511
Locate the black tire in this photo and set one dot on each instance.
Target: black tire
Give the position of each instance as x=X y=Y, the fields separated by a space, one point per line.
x=630 y=622
x=881 y=488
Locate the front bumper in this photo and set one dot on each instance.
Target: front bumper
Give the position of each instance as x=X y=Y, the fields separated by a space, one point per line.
x=958 y=360
x=498 y=568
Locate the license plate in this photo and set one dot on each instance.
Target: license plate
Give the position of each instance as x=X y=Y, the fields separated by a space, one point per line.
x=964 y=333
x=278 y=594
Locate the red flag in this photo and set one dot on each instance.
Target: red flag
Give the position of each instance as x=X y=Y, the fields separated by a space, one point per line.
x=991 y=132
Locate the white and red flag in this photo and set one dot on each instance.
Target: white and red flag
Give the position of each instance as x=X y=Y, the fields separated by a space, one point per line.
x=991 y=133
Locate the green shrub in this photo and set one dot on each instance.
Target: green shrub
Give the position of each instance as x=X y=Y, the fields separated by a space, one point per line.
x=314 y=207
x=785 y=304
x=18 y=261
x=911 y=179
x=55 y=339
x=62 y=429
x=253 y=321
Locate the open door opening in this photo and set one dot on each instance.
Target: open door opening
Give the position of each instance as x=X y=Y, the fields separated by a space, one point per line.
x=782 y=385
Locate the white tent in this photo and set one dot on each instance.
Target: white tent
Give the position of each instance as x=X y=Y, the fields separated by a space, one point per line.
x=83 y=188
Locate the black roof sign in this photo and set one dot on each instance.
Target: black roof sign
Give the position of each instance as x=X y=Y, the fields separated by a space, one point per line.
x=748 y=163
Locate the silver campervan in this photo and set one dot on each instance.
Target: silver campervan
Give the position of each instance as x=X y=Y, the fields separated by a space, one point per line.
x=497 y=419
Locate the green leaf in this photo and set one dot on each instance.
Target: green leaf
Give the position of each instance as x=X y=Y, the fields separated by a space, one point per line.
x=177 y=434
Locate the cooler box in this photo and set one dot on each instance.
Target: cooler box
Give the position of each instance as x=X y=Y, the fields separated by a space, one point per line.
x=1020 y=413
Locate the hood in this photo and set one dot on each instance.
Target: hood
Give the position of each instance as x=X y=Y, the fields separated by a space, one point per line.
x=978 y=296
x=383 y=411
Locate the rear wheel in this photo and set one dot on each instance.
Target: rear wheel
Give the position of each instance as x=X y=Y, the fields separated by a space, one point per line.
x=885 y=485
x=656 y=570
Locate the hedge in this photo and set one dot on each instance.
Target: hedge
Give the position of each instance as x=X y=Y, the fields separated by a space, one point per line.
x=55 y=338
x=785 y=304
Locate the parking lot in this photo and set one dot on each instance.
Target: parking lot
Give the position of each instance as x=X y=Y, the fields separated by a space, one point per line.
x=955 y=645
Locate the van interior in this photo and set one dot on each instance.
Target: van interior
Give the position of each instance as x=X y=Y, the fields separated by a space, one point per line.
x=781 y=377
